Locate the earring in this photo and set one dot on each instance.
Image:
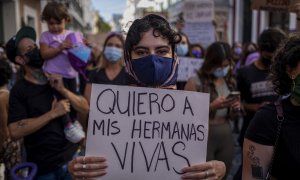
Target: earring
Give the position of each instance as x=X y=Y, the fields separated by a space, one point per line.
x=293 y=82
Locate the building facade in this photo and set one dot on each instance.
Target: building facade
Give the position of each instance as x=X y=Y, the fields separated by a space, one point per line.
x=17 y=13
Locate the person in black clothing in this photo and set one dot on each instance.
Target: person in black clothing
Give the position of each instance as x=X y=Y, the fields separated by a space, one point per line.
x=34 y=113
x=110 y=68
x=259 y=144
x=256 y=90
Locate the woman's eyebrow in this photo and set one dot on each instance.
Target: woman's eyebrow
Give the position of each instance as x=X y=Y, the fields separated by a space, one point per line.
x=159 y=47
x=140 y=47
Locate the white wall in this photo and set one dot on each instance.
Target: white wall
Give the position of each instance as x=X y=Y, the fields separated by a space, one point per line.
x=10 y=21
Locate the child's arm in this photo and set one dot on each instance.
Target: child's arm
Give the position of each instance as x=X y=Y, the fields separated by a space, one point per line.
x=49 y=52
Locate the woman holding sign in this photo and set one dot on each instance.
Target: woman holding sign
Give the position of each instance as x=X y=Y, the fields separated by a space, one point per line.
x=215 y=78
x=151 y=62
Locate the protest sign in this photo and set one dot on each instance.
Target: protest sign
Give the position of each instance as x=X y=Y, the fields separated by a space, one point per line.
x=274 y=5
x=195 y=11
x=147 y=133
x=203 y=33
x=188 y=67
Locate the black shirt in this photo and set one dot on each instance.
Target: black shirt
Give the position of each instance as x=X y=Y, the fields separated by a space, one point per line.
x=99 y=76
x=262 y=130
x=254 y=89
x=47 y=147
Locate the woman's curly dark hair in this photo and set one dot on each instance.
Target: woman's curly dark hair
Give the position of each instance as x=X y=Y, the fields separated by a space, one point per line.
x=288 y=54
x=5 y=72
x=160 y=27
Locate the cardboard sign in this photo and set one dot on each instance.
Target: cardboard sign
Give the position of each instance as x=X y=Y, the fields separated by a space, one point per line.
x=188 y=67
x=195 y=11
x=203 y=33
x=147 y=133
x=275 y=5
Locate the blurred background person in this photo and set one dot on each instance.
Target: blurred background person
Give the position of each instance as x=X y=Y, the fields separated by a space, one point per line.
x=182 y=50
x=215 y=78
x=196 y=51
x=249 y=55
x=110 y=68
x=10 y=150
x=237 y=51
x=256 y=90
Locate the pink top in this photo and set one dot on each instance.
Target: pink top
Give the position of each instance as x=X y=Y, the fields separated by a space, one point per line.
x=59 y=64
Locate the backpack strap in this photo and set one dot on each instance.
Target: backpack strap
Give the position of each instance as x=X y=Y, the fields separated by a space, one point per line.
x=280 y=118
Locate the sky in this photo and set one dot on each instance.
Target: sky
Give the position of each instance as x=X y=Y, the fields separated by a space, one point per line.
x=109 y=7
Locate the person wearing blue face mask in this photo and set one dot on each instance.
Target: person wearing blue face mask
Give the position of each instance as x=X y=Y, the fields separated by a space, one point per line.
x=151 y=62
x=215 y=77
x=110 y=69
x=182 y=49
x=196 y=51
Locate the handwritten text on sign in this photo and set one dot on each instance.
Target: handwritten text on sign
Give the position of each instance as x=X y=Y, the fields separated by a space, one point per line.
x=147 y=133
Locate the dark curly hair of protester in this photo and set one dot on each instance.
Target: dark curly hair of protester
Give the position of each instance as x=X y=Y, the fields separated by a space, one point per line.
x=160 y=27
x=5 y=72
x=288 y=54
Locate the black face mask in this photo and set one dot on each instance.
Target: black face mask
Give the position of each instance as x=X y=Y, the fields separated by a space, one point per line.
x=266 y=61
x=35 y=59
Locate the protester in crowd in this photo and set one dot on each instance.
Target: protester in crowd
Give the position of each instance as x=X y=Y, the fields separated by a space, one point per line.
x=249 y=55
x=262 y=153
x=215 y=78
x=256 y=90
x=110 y=68
x=151 y=62
x=53 y=43
x=182 y=50
x=237 y=51
x=10 y=150
x=34 y=113
x=197 y=51
x=248 y=48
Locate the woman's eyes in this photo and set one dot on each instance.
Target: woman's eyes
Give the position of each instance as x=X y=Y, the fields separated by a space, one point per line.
x=162 y=52
x=141 y=53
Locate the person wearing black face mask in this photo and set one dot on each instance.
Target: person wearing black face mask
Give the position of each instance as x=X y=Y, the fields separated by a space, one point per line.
x=34 y=113
x=35 y=59
x=256 y=90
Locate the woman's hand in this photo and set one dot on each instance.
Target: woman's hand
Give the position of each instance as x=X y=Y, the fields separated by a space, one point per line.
x=83 y=167
x=220 y=102
x=209 y=170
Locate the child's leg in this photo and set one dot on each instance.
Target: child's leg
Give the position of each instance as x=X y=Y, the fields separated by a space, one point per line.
x=70 y=84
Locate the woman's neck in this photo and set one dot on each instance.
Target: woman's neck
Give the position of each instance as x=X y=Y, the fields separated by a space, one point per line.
x=115 y=66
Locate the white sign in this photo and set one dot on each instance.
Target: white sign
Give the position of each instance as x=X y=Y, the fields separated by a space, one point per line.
x=195 y=11
x=203 y=33
x=188 y=67
x=147 y=133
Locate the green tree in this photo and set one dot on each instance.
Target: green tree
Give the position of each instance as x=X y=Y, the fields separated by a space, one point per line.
x=102 y=25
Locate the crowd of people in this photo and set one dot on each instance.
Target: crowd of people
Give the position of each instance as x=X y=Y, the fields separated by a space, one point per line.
x=44 y=116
